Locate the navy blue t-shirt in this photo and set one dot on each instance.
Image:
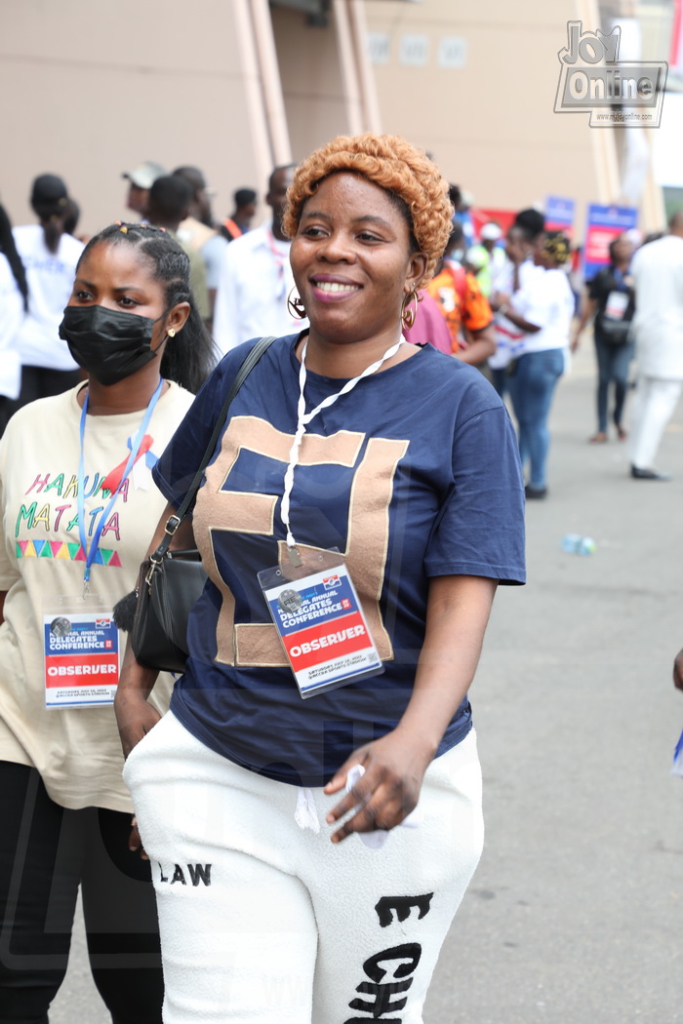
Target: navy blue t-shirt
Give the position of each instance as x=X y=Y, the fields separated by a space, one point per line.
x=413 y=474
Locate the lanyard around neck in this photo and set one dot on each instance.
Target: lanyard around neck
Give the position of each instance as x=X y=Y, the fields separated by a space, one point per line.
x=91 y=555
x=303 y=419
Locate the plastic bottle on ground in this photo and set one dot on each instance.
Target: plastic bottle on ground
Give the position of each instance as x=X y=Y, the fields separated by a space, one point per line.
x=573 y=544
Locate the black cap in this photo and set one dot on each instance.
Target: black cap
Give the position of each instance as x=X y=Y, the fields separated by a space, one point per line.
x=49 y=189
x=244 y=196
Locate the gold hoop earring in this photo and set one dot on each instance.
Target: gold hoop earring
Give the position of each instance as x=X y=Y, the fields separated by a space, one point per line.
x=295 y=306
x=171 y=333
x=408 y=312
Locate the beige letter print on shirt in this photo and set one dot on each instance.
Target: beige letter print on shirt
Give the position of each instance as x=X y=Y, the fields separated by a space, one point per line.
x=244 y=512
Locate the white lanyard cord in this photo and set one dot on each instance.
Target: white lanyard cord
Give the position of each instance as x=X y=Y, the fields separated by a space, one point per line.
x=304 y=418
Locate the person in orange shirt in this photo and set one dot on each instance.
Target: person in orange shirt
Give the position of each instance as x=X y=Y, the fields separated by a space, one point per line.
x=240 y=221
x=464 y=307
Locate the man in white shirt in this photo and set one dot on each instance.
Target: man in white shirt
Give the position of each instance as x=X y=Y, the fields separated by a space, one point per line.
x=256 y=278
x=657 y=271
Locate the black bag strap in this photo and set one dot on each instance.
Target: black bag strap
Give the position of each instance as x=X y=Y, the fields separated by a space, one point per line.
x=174 y=521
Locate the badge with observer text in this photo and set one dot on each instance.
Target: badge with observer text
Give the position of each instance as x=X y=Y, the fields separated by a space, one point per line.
x=81 y=661
x=321 y=624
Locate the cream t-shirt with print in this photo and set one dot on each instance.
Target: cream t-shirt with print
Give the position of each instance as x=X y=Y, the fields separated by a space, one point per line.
x=76 y=751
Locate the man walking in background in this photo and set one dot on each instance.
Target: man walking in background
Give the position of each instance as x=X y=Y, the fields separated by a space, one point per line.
x=197 y=229
x=239 y=222
x=257 y=278
x=169 y=201
x=141 y=180
x=657 y=271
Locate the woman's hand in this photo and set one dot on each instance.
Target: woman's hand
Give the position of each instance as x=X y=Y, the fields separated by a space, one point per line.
x=135 y=717
x=678 y=671
x=457 y=613
x=134 y=840
x=388 y=791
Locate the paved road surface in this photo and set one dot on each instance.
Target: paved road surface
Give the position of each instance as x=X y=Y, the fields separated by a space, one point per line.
x=575 y=913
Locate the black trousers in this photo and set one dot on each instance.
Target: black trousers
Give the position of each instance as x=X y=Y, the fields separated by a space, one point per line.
x=41 y=382
x=45 y=853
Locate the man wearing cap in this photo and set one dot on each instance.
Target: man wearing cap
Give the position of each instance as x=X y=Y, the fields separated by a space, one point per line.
x=487 y=258
x=141 y=180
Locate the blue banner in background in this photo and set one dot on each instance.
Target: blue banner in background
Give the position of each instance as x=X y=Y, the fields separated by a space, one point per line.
x=559 y=214
x=605 y=223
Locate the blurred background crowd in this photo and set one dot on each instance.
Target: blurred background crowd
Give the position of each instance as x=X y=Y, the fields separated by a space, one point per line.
x=564 y=233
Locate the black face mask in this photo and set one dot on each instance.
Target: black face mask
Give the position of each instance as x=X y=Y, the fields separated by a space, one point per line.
x=108 y=343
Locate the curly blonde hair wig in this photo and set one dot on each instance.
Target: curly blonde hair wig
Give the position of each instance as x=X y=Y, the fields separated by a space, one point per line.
x=394 y=164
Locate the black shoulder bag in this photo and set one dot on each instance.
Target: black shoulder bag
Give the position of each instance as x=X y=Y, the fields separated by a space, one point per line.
x=171 y=582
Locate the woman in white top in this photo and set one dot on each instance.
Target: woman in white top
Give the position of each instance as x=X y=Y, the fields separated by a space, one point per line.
x=77 y=503
x=49 y=256
x=543 y=310
x=13 y=304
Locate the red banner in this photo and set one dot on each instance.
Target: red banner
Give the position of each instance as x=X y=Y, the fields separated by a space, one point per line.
x=481 y=215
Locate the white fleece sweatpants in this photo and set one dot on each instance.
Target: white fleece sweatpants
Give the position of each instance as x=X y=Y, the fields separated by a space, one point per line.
x=262 y=921
x=653 y=406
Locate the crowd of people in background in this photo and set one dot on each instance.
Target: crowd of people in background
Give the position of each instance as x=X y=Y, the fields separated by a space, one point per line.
x=500 y=301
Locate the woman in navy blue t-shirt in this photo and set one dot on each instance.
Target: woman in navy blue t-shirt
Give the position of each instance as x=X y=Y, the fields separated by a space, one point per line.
x=394 y=466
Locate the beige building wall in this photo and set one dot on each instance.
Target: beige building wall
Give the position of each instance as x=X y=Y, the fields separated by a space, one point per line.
x=312 y=85
x=490 y=122
x=90 y=89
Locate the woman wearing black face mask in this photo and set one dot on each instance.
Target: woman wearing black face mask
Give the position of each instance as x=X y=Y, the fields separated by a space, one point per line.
x=77 y=505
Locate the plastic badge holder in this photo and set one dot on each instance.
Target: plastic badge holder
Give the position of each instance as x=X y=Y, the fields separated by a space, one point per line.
x=82 y=652
x=320 y=622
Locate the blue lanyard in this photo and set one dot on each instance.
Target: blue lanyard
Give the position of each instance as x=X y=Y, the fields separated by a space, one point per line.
x=618 y=278
x=135 y=448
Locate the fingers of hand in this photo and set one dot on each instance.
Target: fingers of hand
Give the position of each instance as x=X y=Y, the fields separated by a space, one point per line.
x=336 y=783
x=359 y=794
x=130 y=740
x=373 y=805
x=383 y=812
x=135 y=842
x=678 y=671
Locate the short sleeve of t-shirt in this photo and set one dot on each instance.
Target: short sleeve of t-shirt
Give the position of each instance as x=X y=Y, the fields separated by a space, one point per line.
x=176 y=468
x=479 y=531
